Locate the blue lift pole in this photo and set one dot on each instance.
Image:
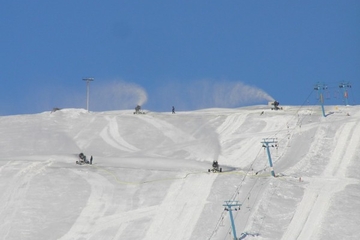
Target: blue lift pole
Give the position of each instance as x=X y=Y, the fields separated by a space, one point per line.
x=228 y=207
x=344 y=86
x=88 y=80
x=319 y=87
x=265 y=143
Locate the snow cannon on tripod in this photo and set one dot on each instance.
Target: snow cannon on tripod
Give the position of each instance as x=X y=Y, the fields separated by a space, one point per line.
x=83 y=160
x=138 y=110
x=275 y=105
x=215 y=167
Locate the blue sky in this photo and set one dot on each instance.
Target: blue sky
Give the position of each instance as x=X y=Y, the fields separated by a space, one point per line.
x=191 y=54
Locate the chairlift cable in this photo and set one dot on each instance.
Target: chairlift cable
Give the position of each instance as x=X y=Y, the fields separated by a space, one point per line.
x=233 y=197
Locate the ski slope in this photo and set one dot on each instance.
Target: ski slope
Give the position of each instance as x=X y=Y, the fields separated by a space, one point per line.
x=150 y=176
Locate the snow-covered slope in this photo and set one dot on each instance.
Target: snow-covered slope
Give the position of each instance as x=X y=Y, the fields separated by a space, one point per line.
x=149 y=179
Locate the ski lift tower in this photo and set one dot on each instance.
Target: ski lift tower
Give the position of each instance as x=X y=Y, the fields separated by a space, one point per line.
x=319 y=87
x=266 y=144
x=228 y=207
x=88 y=80
x=344 y=86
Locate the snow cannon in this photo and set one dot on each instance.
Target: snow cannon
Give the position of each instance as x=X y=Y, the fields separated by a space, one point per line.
x=215 y=167
x=137 y=110
x=82 y=159
x=276 y=106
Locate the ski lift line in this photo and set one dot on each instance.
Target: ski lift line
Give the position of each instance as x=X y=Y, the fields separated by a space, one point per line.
x=228 y=232
x=247 y=173
x=251 y=189
x=270 y=200
x=274 y=135
x=295 y=115
x=291 y=131
x=237 y=190
x=301 y=106
x=229 y=229
x=336 y=83
x=247 y=196
x=334 y=89
x=351 y=95
x=218 y=224
x=216 y=228
x=236 y=215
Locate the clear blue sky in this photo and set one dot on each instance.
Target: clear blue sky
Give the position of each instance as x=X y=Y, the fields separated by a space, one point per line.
x=174 y=51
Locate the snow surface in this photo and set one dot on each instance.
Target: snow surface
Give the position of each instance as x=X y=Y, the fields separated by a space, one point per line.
x=149 y=179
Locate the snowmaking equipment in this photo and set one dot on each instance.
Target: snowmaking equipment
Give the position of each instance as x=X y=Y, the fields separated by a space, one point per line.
x=138 y=110
x=275 y=105
x=215 y=167
x=83 y=160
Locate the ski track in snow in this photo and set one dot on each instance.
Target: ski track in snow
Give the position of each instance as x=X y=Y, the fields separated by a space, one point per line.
x=227 y=127
x=306 y=223
x=233 y=129
x=228 y=131
x=172 y=132
x=14 y=194
x=110 y=134
x=90 y=220
x=178 y=208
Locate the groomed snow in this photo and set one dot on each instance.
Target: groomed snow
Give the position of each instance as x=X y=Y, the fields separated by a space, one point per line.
x=150 y=176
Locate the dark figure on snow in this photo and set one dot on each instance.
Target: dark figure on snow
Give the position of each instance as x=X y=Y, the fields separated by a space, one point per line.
x=91 y=159
x=82 y=157
x=215 y=164
x=137 y=109
x=173 y=109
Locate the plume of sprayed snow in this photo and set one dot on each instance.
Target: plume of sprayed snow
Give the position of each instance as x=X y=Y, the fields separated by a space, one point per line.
x=117 y=95
x=231 y=94
x=209 y=146
x=103 y=96
x=208 y=94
